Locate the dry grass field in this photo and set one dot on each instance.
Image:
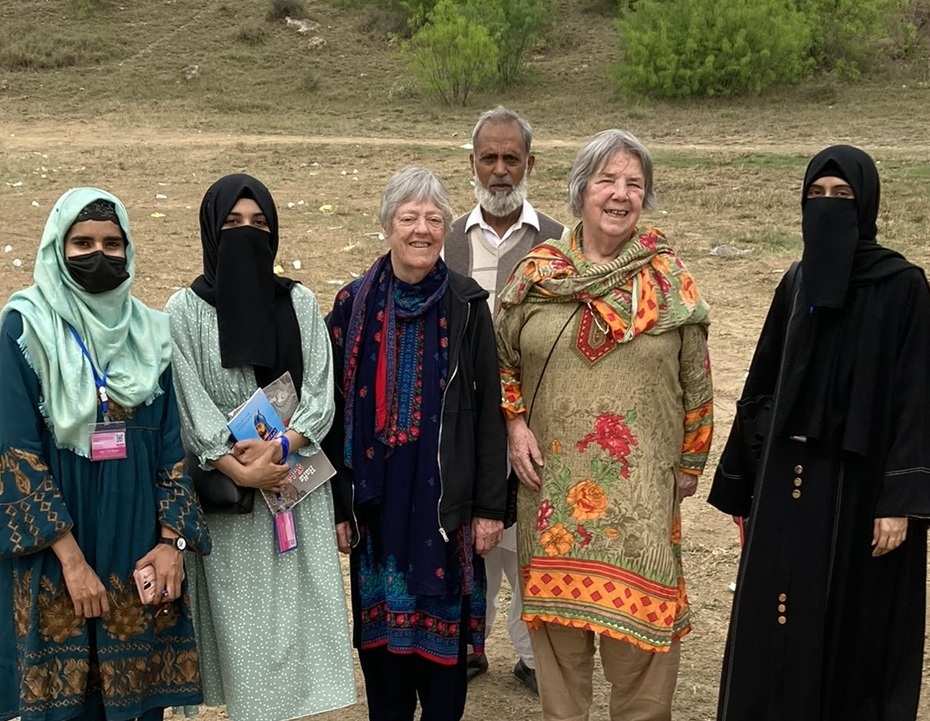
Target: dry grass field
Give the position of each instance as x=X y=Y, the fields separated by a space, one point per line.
x=325 y=126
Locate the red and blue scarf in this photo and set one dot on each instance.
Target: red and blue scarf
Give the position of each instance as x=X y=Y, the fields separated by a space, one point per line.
x=395 y=371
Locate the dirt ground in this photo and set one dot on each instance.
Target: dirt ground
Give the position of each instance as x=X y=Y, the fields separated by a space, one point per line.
x=327 y=190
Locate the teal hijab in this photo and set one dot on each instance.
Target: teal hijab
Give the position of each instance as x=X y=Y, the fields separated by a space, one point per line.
x=128 y=340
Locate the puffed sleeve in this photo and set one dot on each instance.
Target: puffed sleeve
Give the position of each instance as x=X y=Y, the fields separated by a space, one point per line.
x=698 y=398
x=508 y=326
x=314 y=414
x=178 y=507
x=203 y=425
x=906 y=482
x=337 y=321
x=31 y=504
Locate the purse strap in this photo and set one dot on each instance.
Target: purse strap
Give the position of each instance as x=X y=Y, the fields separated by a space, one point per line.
x=542 y=373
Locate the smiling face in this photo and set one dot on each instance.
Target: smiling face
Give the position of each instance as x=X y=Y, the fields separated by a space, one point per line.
x=417 y=233
x=831 y=186
x=246 y=212
x=613 y=200
x=89 y=236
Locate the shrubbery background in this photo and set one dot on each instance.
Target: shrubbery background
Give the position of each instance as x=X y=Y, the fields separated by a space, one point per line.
x=667 y=48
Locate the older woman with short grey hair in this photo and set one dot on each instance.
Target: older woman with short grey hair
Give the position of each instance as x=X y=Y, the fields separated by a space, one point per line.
x=602 y=343
x=420 y=446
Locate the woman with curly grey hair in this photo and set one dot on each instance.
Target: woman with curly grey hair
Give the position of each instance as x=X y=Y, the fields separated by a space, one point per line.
x=602 y=342
x=421 y=491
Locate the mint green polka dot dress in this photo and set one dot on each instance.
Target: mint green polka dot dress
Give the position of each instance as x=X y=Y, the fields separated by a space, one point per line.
x=272 y=630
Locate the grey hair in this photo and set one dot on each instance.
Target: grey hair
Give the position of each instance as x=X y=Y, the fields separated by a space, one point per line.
x=500 y=114
x=597 y=153
x=413 y=184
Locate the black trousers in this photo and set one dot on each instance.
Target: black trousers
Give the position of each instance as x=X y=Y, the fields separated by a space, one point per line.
x=394 y=683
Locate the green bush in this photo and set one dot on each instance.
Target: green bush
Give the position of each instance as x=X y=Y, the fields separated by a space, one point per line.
x=417 y=11
x=682 y=48
x=451 y=55
x=910 y=35
x=847 y=34
x=281 y=9
x=515 y=26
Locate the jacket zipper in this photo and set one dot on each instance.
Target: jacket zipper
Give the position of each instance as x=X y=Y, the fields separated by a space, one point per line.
x=442 y=411
x=356 y=535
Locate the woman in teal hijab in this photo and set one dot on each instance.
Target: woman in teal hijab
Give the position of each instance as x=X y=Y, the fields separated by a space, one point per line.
x=91 y=485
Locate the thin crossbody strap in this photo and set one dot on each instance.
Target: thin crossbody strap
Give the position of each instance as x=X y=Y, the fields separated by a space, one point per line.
x=542 y=373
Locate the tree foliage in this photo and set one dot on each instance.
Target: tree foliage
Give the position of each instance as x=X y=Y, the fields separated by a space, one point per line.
x=462 y=45
x=452 y=55
x=681 y=48
x=846 y=35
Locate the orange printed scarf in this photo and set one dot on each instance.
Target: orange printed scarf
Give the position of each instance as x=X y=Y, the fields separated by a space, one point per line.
x=645 y=289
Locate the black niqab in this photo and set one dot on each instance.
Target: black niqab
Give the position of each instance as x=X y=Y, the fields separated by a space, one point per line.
x=823 y=392
x=255 y=316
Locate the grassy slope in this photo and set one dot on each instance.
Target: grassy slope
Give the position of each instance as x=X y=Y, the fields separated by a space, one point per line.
x=99 y=124
x=146 y=46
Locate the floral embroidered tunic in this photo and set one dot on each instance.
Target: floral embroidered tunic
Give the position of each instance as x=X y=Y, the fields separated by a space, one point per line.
x=599 y=544
x=51 y=660
x=272 y=630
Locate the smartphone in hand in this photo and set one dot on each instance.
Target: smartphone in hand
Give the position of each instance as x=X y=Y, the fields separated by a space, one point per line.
x=145 y=584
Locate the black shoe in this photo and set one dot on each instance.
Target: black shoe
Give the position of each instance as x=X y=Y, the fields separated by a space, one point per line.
x=526 y=676
x=475 y=665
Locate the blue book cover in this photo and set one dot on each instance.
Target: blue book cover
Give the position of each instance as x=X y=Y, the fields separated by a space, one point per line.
x=256 y=419
x=260 y=417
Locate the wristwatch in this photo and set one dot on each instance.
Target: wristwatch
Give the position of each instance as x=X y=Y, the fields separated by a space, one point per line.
x=178 y=543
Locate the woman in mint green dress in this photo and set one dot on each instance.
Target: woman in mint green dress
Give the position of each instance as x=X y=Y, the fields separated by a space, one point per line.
x=272 y=629
x=76 y=642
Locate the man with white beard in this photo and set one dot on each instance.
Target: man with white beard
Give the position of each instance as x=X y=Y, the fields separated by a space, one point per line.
x=486 y=244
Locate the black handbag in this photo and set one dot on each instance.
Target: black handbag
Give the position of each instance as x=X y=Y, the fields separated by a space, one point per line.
x=218 y=493
x=513 y=482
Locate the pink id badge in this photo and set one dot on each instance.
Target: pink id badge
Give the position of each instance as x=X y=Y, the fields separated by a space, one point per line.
x=108 y=441
x=285 y=532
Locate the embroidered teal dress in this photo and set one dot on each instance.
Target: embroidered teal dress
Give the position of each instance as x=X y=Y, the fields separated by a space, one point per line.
x=53 y=665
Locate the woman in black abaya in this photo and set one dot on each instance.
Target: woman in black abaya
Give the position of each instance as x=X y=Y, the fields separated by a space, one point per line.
x=828 y=463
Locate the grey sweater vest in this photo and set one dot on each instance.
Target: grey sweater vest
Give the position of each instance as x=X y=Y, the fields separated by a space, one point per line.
x=458 y=251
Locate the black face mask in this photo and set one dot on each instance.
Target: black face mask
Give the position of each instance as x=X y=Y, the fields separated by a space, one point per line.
x=97 y=272
x=831 y=237
x=245 y=292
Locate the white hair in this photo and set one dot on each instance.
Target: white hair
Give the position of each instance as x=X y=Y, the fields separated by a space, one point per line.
x=500 y=114
x=597 y=153
x=413 y=184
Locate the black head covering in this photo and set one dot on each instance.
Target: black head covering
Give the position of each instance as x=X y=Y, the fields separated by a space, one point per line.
x=857 y=168
x=828 y=334
x=100 y=209
x=839 y=234
x=255 y=317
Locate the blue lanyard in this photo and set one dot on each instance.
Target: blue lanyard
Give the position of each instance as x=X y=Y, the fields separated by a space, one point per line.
x=99 y=381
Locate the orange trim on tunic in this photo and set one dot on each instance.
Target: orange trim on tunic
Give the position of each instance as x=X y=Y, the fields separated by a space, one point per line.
x=699 y=433
x=605 y=591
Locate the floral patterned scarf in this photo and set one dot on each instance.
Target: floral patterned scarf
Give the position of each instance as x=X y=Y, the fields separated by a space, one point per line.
x=645 y=289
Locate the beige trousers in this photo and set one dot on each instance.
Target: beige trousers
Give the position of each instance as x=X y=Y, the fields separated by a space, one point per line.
x=641 y=683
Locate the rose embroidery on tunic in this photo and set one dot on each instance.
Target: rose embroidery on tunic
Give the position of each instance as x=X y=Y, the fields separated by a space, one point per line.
x=587 y=500
x=557 y=541
x=543 y=514
x=612 y=434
